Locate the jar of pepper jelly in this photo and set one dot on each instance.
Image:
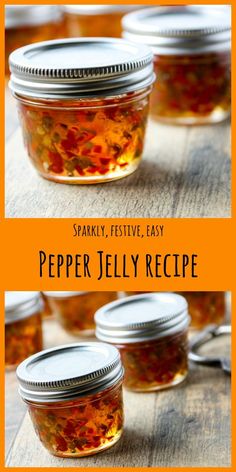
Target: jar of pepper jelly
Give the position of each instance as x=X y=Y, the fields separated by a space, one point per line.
x=26 y=24
x=74 y=397
x=23 y=326
x=83 y=106
x=191 y=46
x=206 y=308
x=95 y=20
x=151 y=332
x=75 y=310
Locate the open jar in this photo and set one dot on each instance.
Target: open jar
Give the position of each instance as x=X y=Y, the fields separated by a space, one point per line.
x=27 y=24
x=151 y=332
x=23 y=326
x=83 y=106
x=95 y=20
x=191 y=46
x=74 y=397
x=205 y=308
x=75 y=310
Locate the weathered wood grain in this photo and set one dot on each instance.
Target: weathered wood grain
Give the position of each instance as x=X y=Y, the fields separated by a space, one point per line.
x=186 y=426
x=185 y=172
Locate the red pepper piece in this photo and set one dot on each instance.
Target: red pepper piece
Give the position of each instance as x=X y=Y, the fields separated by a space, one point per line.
x=61 y=444
x=97 y=148
x=57 y=162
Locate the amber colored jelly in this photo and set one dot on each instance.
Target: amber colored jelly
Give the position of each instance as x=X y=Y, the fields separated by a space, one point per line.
x=157 y=364
x=76 y=313
x=22 y=338
x=85 y=141
x=205 y=308
x=102 y=24
x=80 y=427
x=191 y=88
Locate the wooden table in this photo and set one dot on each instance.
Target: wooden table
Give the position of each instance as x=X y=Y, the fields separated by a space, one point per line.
x=185 y=172
x=186 y=426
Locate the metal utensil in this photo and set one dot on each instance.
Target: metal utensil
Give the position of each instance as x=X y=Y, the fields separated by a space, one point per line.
x=211 y=332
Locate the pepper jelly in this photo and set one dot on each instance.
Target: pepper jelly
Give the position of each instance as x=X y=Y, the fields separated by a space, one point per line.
x=74 y=397
x=23 y=326
x=150 y=330
x=75 y=310
x=83 y=106
x=191 y=46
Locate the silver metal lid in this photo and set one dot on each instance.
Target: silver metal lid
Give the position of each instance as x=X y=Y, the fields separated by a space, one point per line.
x=142 y=318
x=20 y=305
x=62 y=294
x=98 y=9
x=70 y=371
x=179 y=30
x=30 y=15
x=80 y=67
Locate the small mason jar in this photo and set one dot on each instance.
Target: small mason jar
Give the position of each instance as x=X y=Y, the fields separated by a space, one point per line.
x=206 y=308
x=95 y=20
x=23 y=326
x=191 y=46
x=151 y=332
x=83 y=106
x=27 y=24
x=74 y=397
x=75 y=310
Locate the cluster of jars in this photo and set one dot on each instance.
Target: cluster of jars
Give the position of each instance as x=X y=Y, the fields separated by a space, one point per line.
x=84 y=101
x=74 y=391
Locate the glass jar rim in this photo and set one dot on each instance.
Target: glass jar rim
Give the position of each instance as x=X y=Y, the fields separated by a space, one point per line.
x=63 y=295
x=20 y=305
x=30 y=15
x=97 y=9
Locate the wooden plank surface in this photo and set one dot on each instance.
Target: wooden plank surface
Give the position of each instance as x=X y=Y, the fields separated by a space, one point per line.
x=185 y=426
x=185 y=172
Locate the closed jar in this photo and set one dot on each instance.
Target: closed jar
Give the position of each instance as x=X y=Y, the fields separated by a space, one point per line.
x=75 y=310
x=206 y=308
x=95 y=20
x=83 y=107
x=192 y=61
x=27 y=24
x=151 y=332
x=74 y=397
x=23 y=326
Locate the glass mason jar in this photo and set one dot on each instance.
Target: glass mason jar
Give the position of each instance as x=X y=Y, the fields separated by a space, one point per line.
x=83 y=107
x=23 y=326
x=75 y=310
x=191 y=46
x=74 y=397
x=151 y=332
x=27 y=24
x=205 y=308
x=95 y=20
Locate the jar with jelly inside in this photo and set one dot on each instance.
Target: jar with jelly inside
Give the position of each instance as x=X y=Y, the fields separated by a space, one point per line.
x=83 y=106
x=151 y=332
x=206 y=308
x=23 y=326
x=74 y=397
x=191 y=46
x=27 y=24
x=95 y=20
x=75 y=310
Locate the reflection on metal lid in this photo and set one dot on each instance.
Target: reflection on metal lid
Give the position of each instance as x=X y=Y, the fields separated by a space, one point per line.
x=69 y=371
